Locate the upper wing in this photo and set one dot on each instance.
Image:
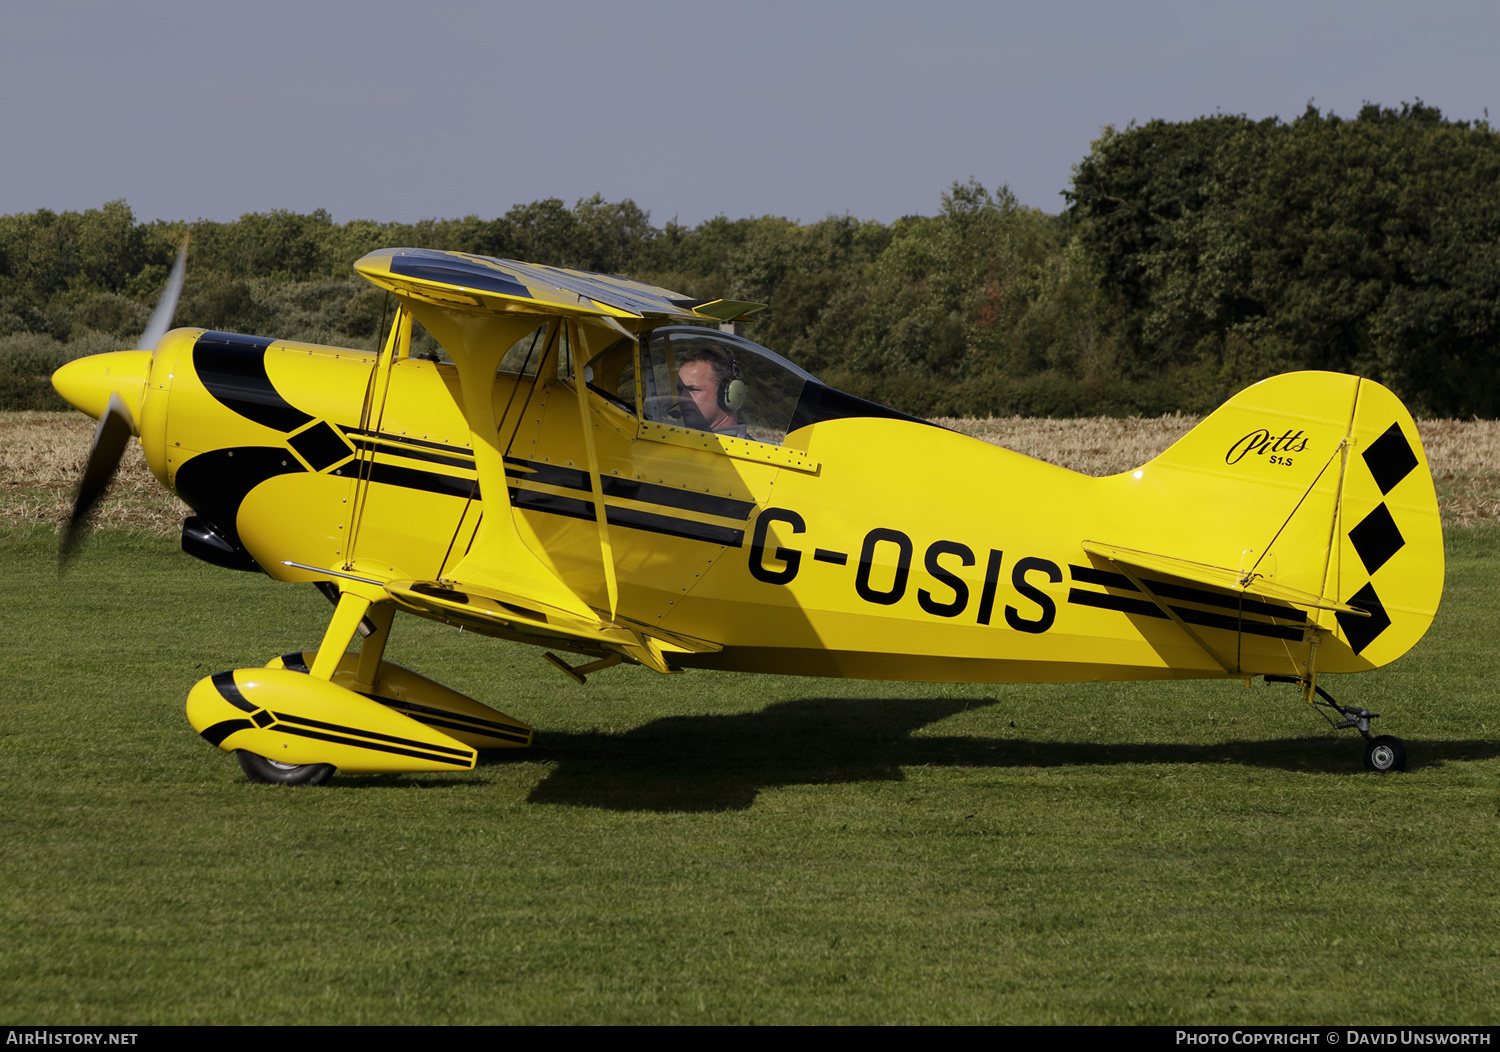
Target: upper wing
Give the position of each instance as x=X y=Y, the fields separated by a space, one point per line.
x=456 y=280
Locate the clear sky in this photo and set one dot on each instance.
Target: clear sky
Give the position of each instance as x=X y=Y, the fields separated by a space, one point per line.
x=443 y=108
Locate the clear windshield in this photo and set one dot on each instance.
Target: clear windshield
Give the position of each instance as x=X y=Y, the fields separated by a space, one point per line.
x=706 y=380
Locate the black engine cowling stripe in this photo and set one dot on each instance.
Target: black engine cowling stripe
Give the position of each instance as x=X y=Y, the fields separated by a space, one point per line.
x=233 y=369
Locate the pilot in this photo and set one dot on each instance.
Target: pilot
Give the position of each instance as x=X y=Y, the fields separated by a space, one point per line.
x=710 y=391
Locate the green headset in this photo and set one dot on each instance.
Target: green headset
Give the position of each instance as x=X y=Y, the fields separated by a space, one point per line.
x=731 y=391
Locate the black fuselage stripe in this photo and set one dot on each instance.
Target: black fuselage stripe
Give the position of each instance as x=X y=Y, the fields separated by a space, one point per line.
x=1145 y=608
x=694 y=531
x=1092 y=575
x=407 y=440
x=1208 y=619
x=548 y=474
x=387 y=449
x=1123 y=603
x=629 y=489
x=532 y=500
x=687 y=500
x=411 y=478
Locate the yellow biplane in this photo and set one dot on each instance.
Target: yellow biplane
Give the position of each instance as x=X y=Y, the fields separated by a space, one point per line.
x=603 y=468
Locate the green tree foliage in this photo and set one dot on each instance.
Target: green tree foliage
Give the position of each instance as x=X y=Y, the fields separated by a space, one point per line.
x=1194 y=258
x=1235 y=249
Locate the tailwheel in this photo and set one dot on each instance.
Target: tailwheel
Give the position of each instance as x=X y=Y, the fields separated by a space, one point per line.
x=1385 y=753
x=271 y=772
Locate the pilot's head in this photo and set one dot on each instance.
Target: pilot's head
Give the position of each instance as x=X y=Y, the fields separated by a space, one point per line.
x=708 y=391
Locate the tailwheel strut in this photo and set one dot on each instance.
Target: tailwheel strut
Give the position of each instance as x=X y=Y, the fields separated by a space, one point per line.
x=1382 y=752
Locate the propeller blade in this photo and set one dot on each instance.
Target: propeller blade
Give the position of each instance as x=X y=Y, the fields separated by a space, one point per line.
x=117 y=425
x=114 y=431
x=166 y=307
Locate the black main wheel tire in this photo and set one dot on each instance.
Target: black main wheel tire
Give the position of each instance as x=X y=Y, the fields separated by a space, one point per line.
x=1384 y=754
x=269 y=772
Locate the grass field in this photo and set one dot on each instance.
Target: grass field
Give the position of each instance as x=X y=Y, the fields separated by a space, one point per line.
x=721 y=848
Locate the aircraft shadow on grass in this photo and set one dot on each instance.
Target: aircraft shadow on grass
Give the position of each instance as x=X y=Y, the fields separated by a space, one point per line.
x=716 y=763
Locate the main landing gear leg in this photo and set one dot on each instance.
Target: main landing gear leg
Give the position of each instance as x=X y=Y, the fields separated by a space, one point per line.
x=1382 y=753
x=341 y=629
x=367 y=676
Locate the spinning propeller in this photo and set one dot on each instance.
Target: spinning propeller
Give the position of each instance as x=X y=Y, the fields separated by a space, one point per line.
x=84 y=383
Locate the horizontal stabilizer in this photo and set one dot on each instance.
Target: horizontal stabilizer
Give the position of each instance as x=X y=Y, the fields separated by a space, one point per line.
x=1243 y=582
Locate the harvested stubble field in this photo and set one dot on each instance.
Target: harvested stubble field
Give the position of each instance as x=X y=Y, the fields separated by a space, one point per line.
x=724 y=848
x=42 y=455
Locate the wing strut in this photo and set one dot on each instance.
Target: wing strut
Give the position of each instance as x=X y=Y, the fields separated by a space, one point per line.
x=371 y=417
x=578 y=342
x=499 y=556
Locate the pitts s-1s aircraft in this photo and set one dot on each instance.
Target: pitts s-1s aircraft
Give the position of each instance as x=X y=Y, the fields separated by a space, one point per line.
x=603 y=471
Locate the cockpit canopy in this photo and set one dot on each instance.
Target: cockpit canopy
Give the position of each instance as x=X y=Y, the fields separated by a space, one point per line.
x=764 y=397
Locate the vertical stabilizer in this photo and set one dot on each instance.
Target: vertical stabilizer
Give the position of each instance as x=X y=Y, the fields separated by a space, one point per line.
x=1319 y=485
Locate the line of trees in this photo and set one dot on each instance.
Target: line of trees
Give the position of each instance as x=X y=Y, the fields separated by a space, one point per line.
x=1192 y=258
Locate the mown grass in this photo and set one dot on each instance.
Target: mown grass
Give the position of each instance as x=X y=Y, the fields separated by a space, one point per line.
x=722 y=848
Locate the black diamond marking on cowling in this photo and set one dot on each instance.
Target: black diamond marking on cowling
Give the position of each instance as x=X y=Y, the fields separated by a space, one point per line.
x=1361 y=631
x=1390 y=458
x=320 y=445
x=1376 y=539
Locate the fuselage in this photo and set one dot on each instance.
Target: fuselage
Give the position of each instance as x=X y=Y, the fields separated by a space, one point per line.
x=859 y=545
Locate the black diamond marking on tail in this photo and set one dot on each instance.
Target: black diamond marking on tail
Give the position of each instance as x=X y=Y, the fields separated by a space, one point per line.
x=1390 y=458
x=1361 y=631
x=321 y=446
x=1376 y=539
